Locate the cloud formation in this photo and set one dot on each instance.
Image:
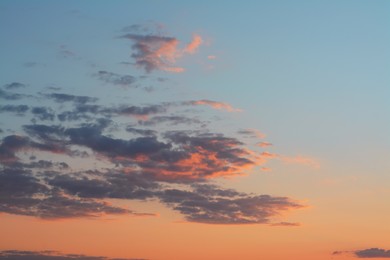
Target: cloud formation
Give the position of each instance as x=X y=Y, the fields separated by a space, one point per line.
x=158 y=52
x=167 y=152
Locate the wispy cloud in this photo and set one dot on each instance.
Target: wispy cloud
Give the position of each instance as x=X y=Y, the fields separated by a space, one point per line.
x=213 y=104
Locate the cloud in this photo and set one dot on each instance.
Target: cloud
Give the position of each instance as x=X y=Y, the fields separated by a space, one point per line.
x=10 y=96
x=43 y=113
x=65 y=52
x=212 y=205
x=157 y=52
x=152 y=52
x=367 y=253
x=139 y=112
x=116 y=79
x=18 y=109
x=264 y=144
x=144 y=132
x=61 y=98
x=51 y=255
x=144 y=166
x=12 y=144
x=172 y=120
x=286 y=224
x=213 y=104
x=14 y=85
x=254 y=133
x=193 y=46
x=146 y=152
x=115 y=185
x=23 y=194
x=373 y=253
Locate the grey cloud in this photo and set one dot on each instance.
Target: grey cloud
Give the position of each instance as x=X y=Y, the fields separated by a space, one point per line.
x=173 y=120
x=141 y=111
x=23 y=194
x=144 y=132
x=10 y=96
x=117 y=185
x=51 y=255
x=61 y=98
x=220 y=206
x=43 y=113
x=91 y=137
x=18 y=109
x=116 y=79
x=11 y=144
x=82 y=112
x=373 y=253
x=45 y=132
x=143 y=28
x=40 y=164
x=14 y=85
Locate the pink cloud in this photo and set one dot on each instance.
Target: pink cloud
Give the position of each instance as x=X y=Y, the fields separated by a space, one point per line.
x=216 y=105
x=194 y=44
x=264 y=144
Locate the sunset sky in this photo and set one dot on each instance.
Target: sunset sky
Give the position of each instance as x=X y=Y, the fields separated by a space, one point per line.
x=194 y=130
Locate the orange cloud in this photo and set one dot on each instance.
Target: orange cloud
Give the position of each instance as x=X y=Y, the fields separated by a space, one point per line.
x=194 y=44
x=216 y=105
x=264 y=144
x=269 y=155
x=211 y=57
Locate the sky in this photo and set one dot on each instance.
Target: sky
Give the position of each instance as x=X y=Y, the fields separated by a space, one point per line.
x=194 y=130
